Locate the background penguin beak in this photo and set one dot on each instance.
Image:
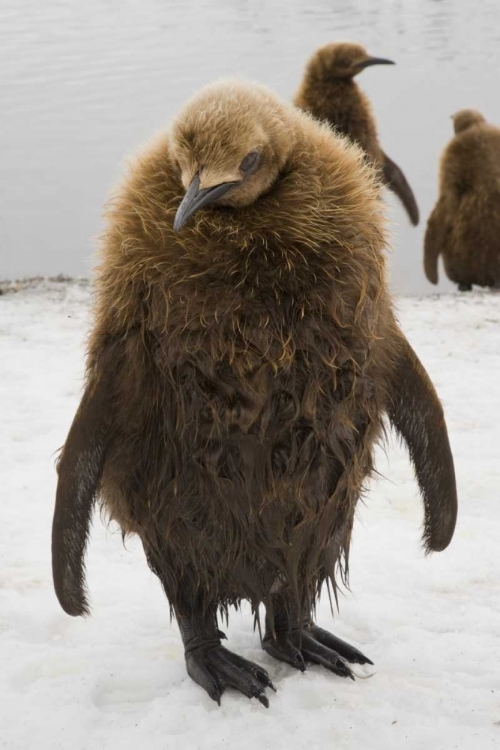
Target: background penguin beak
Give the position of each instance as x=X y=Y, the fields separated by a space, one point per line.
x=375 y=61
x=196 y=198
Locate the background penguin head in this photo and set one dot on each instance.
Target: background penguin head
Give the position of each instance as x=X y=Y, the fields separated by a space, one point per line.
x=230 y=141
x=342 y=60
x=466 y=118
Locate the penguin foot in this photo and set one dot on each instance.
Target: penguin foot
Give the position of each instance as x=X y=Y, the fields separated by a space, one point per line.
x=313 y=645
x=346 y=651
x=465 y=287
x=215 y=668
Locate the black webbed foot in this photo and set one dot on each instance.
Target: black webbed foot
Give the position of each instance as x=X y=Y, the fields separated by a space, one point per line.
x=215 y=668
x=283 y=648
x=464 y=287
x=313 y=645
x=344 y=649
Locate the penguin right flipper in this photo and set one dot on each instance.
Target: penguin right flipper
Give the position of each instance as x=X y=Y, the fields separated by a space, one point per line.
x=395 y=180
x=415 y=411
x=80 y=468
x=435 y=234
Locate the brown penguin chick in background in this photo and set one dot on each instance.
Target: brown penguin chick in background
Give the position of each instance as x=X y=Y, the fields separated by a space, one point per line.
x=328 y=91
x=243 y=354
x=464 y=226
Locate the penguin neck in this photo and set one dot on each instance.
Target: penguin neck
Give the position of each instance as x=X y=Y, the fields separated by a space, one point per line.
x=335 y=100
x=344 y=106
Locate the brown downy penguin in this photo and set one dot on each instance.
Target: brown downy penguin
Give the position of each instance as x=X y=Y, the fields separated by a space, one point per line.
x=328 y=91
x=464 y=226
x=243 y=354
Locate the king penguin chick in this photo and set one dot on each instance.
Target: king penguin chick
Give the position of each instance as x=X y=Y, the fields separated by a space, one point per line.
x=464 y=226
x=328 y=91
x=243 y=353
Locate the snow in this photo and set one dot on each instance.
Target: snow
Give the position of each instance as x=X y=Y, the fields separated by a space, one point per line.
x=117 y=679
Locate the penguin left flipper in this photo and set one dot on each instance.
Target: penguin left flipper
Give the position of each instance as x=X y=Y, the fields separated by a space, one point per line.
x=435 y=240
x=415 y=412
x=80 y=468
x=395 y=180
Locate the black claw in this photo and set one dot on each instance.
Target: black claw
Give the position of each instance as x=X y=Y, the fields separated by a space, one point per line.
x=272 y=686
x=264 y=679
x=343 y=670
x=359 y=658
x=214 y=692
x=221 y=635
x=262 y=699
x=300 y=664
x=266 y=682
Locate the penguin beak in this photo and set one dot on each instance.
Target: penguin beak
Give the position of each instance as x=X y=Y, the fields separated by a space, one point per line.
x=196 y=198
x=375 y=61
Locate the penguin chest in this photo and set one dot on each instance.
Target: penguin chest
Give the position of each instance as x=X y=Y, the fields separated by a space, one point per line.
x=264 y=430
x=244 y=448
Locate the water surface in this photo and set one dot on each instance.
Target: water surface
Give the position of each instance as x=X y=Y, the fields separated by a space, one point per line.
x=83 y=83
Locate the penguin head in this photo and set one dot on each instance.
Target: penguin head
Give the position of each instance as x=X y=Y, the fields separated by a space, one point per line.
x=466 y=118
x=343 y=60
x=230 y=142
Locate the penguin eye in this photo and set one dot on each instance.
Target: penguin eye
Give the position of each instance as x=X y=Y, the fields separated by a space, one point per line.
x=250 y=162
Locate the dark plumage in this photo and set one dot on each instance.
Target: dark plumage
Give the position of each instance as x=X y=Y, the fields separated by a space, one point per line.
x=464 y=226
x=328 y=91
x=237 y=376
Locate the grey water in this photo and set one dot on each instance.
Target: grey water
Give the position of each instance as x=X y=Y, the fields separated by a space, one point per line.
x=84 y=82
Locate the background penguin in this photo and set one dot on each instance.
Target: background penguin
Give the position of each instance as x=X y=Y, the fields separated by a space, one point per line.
x=465 y=224
x=244 y=351
x=329 y=92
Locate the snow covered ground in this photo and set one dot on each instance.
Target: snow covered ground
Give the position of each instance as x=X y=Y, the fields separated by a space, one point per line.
x=117 y=680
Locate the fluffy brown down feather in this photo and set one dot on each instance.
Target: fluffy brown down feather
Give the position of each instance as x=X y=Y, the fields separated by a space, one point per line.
x=246 y=362
x=339 y=100
x=329 y=93
x=464 y=226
